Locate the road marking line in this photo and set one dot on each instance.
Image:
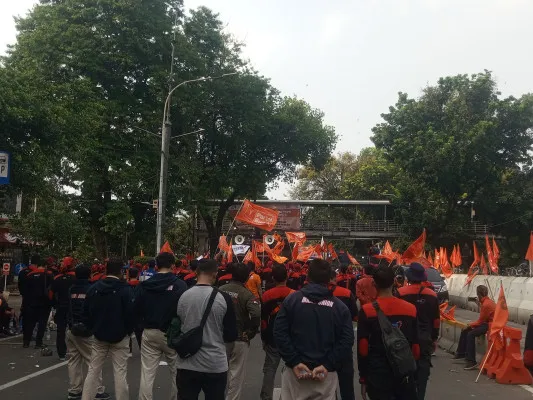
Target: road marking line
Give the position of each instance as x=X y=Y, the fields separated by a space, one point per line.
x=527 y=387
x=30 y=376
x=9 y=338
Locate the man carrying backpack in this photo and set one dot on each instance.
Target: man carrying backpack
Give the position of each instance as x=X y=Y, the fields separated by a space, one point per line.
x=428 y=315
x=313 y=333
x=110 y=316
x=207 y=369
x=156 y=301
x=387 y=365
x=79 y=337
x=248 y=313
x=272 y=301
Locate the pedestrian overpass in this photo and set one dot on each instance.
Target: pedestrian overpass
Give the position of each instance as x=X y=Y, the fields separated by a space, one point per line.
x=330 y=219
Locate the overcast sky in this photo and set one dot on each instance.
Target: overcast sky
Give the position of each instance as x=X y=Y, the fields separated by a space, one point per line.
x=351 y=57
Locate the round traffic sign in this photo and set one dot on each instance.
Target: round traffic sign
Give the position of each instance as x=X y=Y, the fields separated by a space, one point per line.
x=6 y=267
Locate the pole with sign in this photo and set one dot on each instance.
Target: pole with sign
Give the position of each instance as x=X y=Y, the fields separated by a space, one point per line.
x=6 y=267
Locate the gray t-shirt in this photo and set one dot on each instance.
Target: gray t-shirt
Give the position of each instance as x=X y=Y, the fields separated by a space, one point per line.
x=220 y=327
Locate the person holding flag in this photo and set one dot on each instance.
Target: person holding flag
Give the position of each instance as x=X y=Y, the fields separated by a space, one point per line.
x=467 y=341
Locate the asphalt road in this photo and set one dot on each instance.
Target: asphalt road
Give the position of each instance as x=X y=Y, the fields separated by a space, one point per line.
x=26 y=375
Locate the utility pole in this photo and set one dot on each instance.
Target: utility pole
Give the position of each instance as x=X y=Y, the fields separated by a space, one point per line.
x=165 y=146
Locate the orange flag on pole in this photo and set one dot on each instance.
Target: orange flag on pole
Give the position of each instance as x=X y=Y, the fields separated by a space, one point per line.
x=296 y=237
x=260 y=217
x=483 y=265
x=458 y=255
x=387 y=249
x=352 y=259
x=142 y=253
x=495 y=250
x=222 y=243
x=305 y=253
x=166 y=248
x=470 y=278
x=501 y=316
x=445 y=265
x=430 y=258
x=476 y=256
x=529 y=254
x=295 y=251
x=416 y=249
x=332 y=253
x=229 y=253
x=490 y=255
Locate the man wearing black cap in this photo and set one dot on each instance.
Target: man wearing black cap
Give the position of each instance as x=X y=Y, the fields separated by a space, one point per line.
x=428 y=313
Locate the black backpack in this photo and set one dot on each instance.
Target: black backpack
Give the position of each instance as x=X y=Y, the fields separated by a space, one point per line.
x=77 y=328
x=189 y=343
x=397 y=348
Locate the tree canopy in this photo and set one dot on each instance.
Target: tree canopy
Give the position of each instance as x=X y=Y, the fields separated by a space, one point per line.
x=85 y=86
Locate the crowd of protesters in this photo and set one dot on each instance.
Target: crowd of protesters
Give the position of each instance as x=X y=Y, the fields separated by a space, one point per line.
x=304 y=313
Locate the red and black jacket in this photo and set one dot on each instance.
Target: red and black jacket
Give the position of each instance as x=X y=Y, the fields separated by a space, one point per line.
x=59 y=290
x=134 y=282
x=267 y=282
x=347 y=298
x=295 y=281
x=190 y=279
x=427 y=310
x=346 y=281
x=224 y=280
x=271 y=304
x=36 y=284
x=372 y=359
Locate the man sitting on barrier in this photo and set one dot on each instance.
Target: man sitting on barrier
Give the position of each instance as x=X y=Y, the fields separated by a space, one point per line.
x=467 y=342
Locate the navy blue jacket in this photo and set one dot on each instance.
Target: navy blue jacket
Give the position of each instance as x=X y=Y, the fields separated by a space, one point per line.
x=109 y=310
x=156 y=300
x=314 y=328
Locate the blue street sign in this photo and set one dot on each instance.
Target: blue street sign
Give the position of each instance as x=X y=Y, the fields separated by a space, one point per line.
x=5 y=167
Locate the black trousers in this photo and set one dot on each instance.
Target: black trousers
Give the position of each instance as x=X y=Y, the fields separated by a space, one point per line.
x=61 y=339
x=423 y=372
x=386 y=388
x=35 y=315
x=467 y=341
x=345 y=373
x=191 y=383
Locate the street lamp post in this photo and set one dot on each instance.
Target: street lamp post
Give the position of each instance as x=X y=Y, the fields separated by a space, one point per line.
x=166 y=132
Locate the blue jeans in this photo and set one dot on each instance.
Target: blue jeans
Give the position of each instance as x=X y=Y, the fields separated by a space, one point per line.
x=467 y=341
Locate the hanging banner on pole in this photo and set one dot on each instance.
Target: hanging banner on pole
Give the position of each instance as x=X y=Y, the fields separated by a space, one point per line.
x=240 y=249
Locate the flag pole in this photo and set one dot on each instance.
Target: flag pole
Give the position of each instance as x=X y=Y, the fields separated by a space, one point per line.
x=485 y=361
x=232 y=222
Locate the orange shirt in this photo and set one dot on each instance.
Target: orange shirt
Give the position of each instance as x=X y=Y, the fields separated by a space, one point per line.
x=487 y=312
x=253 y=284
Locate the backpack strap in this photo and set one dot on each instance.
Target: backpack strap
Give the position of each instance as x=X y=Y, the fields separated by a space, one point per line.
x=208 y=308
x=420 y=292
x=384 y=323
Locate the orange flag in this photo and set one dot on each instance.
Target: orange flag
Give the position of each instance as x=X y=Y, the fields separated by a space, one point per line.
x=305 y=253
x=278 y=248
x=471 y=278
x=352 y=259
x=445 y=265
x=387 y=249
x=296 y=237
x=453 y=257
x=166 y=248
x=430 y=259
x=476 y=256
x=495 y=250
x=318 y=250
x=332 y=252
x=278 y=259
x=484 y=265
x=261 y=217
x=490 y=255
x=501 y=316
x=529 y=254
x=248 y=257
x=416 y=249
x=229 y=254
x=142 y=253
x=223 y=244
x=437 y=260
x=458 y=255
x=295 y=251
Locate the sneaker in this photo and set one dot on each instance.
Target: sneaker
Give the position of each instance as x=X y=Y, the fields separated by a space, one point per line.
x=471 y=365
x=103 y=396
x=74 y=396
x=62 y=358
x=457 y=357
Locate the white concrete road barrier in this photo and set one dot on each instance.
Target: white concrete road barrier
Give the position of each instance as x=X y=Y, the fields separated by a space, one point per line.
x=518 y=293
